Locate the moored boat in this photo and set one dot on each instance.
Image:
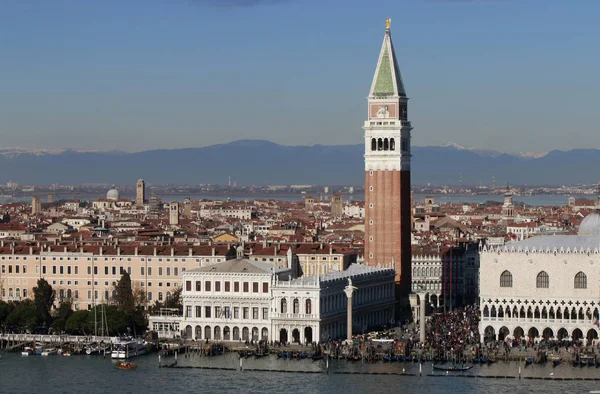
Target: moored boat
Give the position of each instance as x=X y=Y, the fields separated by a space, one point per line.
x=454 y=368
x=129 y=348
x=49 y=352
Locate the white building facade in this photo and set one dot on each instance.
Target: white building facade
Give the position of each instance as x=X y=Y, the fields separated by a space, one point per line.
x=543 y=287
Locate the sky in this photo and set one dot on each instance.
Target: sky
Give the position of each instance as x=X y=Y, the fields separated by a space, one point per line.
x=509 y=75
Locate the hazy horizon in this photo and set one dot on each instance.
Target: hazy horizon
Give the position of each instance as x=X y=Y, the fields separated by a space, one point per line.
x=157 y=74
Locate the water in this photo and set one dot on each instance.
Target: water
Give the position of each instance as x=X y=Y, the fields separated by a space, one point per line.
x=93 y=374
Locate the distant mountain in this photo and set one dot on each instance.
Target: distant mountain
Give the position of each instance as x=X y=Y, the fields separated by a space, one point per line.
x=264 y=162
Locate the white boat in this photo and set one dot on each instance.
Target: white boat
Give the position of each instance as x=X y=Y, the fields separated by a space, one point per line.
x=129 y=348
x=49 y=352
x=27 y=352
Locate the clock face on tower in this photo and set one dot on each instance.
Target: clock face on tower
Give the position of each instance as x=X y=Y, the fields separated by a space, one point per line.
x=383 y=111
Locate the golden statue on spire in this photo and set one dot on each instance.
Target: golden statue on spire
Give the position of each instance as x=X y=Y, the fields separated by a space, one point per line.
x=388 y=22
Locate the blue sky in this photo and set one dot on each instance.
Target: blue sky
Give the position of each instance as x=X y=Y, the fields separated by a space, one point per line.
x=518 y=75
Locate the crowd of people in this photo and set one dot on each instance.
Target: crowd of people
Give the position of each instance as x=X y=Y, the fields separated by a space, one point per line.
x=452 y=332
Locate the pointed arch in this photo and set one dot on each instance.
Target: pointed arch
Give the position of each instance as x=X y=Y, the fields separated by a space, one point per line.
x=580 y=281
x=542 y=280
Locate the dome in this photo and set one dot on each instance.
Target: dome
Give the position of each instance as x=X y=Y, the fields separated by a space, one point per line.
x=590 y=225
x=113 y=194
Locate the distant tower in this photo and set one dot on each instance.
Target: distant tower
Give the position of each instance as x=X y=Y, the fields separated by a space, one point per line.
x=187 y=207
x=174 y=213
x=36 y=205
x=387 y=170
x=309 y=205
x=155 y=203
x=49 y=199
x=326 y=190
x=140 y=193
x=337 y=206
x=508 y=209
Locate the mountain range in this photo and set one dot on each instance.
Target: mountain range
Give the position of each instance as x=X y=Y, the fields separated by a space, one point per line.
x=257 y=162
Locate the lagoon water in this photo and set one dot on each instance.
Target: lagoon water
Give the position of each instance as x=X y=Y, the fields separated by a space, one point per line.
x=93 y=374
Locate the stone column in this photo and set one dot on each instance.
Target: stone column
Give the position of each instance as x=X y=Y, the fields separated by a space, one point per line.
x=422 y=317
x=349 y=290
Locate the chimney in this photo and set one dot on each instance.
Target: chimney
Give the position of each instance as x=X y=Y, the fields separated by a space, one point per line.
x=118 y=250
x=190 y=252
x=81 y=249
x=155 y=251
x=251 y=250
x=100 y=251
x=65 y=249
x=172 y=252
x=321 y=246
x=330 y=250
x=30 y=250
x=213 y=251
x=136 y=251
x=2 y=243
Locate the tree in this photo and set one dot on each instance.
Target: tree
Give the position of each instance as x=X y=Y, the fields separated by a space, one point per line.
x=24 y=315
x=63 y=313
x=5 y=310
x=124 y=294
x=78 y=322
x=43 y=298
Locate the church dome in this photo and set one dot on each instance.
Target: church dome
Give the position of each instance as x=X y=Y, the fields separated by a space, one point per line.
x=590 y=225
x=113 y=194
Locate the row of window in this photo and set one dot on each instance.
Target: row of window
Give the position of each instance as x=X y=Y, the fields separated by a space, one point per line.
x=208 y=286
x=74 y=270
x=296 y=306
x=16 y=294
x=149 y=259
x=227 y=312
x=542 y=280
x=10 y=269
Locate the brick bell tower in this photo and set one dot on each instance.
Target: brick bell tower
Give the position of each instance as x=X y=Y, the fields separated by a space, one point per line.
x=387 y=170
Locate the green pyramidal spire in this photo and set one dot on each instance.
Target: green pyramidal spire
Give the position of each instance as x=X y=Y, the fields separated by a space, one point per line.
x=387 y=80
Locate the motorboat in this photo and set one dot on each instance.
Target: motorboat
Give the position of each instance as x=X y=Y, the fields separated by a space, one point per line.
x=126 y=365
x=129 y=348
x=49 y=352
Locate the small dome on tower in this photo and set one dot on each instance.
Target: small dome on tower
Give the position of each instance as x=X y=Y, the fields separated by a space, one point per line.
x=112 y=194
x=590 y=225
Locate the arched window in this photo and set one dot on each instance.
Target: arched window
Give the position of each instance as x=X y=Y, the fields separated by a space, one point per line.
x=392 y=144
x=283 y=305
x=24 y=293
x=380 y=144
x=580 y=280
x=308 y=307
x=18 y=293
x=542 y=281
x=386 y=144
x=506 y=279
x=296 y=306
x=373 y=144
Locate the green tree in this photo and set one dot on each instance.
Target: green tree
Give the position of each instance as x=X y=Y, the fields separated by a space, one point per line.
x=5 y=310
x=79 y=323
x=24 y=316
x=43 y=297
x=123 y=297
x=63 y=312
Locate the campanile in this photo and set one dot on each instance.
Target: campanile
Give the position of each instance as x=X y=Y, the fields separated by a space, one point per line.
x=387 y=169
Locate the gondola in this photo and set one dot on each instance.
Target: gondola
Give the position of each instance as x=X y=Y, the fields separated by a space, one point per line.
x=453 y=368
x=529 y=361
